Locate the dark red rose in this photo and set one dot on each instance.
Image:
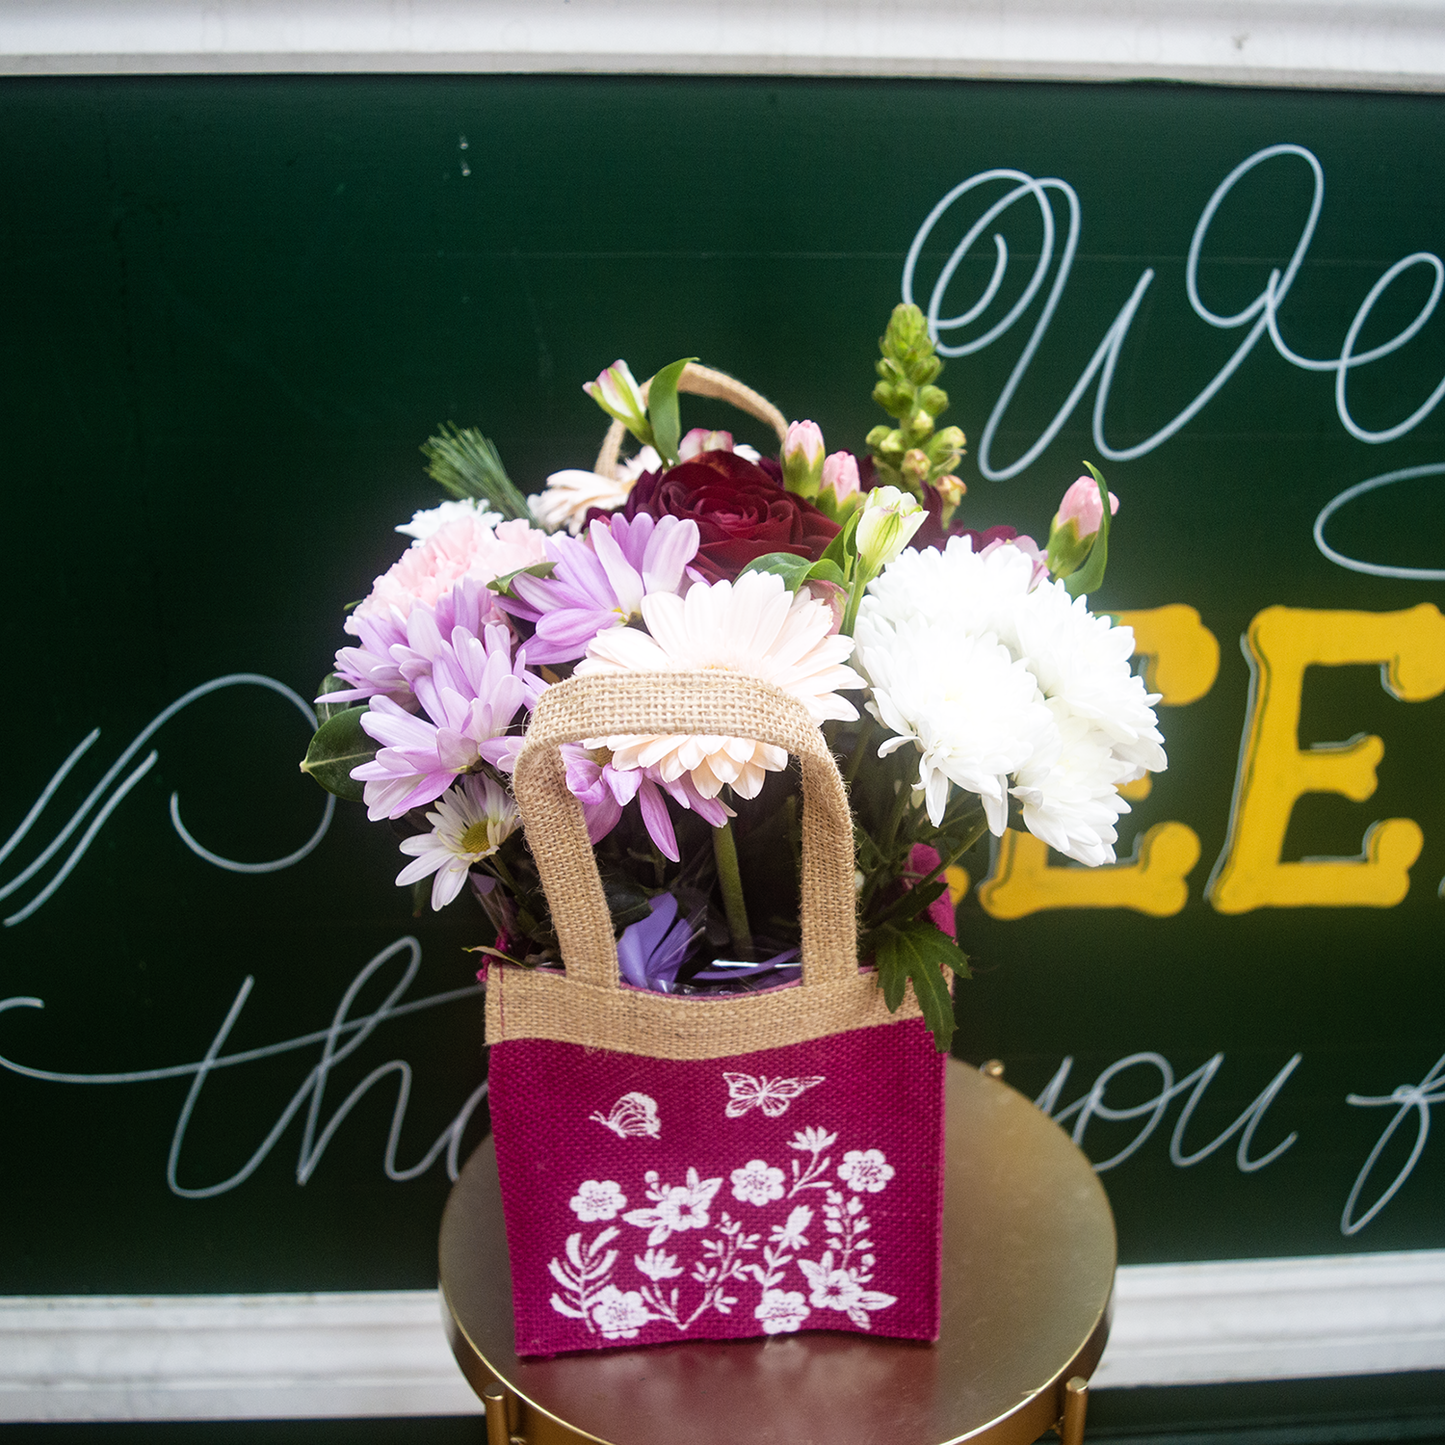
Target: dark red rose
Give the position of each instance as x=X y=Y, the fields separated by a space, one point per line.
x=741 y=512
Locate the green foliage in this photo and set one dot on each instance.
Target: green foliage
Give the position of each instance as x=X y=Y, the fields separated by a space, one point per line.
x=913 y=454
x=503 y=585
x=338 y=746
x=466 y=464
x=331 y=683
x=916 y=952
x=662 y=408
x=795 y=570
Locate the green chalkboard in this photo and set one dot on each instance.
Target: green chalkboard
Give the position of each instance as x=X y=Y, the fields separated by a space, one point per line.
x=233 y=308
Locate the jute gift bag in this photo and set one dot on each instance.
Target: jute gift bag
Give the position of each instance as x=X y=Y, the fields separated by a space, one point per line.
x=707 y=1167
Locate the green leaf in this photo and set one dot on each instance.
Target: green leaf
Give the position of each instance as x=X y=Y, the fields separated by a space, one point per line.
x=826 y=571
x=330 y=683
x=662 y=408
x=917 y=952
x=466 y=464
x=1089 y=577
x=628 y=902
x=339 y=746
x=503 y=585
x=913 y=901
x=794 y=570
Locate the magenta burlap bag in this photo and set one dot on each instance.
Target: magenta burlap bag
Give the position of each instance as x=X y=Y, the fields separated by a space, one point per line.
x=694 y=1167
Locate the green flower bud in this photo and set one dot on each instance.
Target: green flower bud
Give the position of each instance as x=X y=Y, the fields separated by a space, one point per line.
x=886 y=525
x=915 y=468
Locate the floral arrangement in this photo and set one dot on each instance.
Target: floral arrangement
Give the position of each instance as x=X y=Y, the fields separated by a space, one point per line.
x=959 y=677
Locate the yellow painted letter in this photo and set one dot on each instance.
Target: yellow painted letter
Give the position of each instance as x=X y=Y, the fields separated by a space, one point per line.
x=1274 y=772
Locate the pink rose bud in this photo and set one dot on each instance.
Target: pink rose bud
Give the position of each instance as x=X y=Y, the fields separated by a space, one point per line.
x=700 y=440
x=803 y=458
x=1082 y=506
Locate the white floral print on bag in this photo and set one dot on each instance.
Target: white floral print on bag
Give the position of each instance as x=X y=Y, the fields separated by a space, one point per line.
x=840 y=1279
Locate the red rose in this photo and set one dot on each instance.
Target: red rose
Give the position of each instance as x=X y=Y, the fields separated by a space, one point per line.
x=741 y=512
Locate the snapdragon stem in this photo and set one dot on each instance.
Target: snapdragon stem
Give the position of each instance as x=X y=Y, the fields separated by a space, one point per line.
x=725 y=854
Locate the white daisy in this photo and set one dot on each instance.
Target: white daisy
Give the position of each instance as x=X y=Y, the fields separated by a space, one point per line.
x=423 y=524
x=472 y=819
x=569 y=495
x=751 y=626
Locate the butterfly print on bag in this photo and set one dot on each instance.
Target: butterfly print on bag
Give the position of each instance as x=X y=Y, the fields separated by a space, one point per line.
x=633 y=1113
x=772 y=1096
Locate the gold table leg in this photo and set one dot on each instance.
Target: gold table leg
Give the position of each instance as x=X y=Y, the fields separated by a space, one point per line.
x=1076 y=1404
x=500 y=1405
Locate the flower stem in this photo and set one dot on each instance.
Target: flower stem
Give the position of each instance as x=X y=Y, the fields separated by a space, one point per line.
x=860 y=750
x=979 y=828
x=725 y=854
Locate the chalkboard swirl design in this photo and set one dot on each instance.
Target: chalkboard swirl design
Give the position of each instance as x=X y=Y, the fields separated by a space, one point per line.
x=117 y=794
x=1376 y=569
x=1002 y=188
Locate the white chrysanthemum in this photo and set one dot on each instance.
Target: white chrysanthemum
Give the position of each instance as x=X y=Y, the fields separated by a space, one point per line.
x=1082 y=661
x=1069 y=790
x=974 y=712
x=424 y=524
x=751 y=626
x=974 y=593
x=948 y=638
x=472 y=819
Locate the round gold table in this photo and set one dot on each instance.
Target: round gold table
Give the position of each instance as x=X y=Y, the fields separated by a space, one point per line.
x=1028 y=1271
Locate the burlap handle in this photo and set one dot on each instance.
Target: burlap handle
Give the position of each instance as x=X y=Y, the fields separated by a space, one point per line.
x=699 y=381
x=672 y=703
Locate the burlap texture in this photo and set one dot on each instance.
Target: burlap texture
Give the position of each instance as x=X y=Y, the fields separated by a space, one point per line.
x=588 y=1005
x=699 y=381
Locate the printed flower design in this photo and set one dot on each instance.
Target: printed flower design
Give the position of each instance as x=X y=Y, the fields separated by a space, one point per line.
x=757 y=1183
x=865 y=1169
x=597 y=1200
x=676 y=1207
x=842 y=1289
x=781 y=1311
x=723 y=1268
x=790 y=1235
x=657 y=1264
x=619 y=1314
x=833 y=1289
